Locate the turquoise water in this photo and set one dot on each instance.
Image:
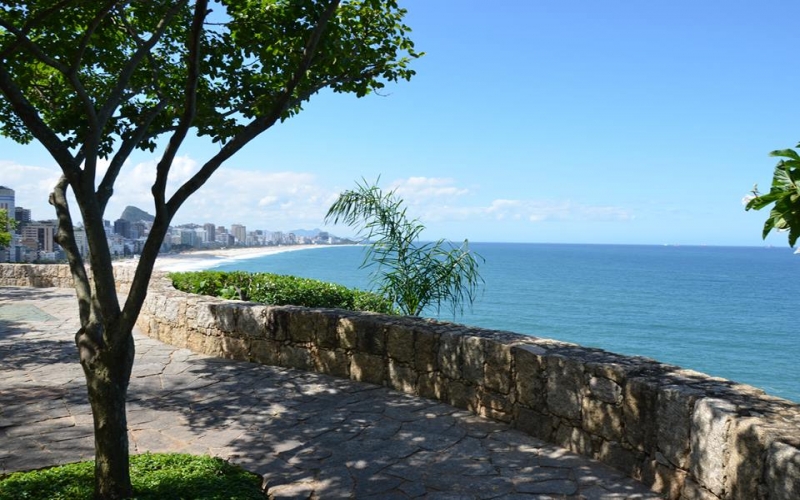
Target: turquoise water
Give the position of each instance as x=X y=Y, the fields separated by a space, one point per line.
x=726 y=311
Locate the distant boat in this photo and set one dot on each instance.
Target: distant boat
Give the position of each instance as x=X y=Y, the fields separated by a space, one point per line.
x=798 y=250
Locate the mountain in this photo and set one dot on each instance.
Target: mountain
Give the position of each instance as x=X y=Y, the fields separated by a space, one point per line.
x=308 y=233
x=133 y=214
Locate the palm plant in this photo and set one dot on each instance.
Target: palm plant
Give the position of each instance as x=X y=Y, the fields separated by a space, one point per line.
x=410 y=273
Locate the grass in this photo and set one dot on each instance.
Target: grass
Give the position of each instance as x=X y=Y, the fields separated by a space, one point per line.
x=162 y=476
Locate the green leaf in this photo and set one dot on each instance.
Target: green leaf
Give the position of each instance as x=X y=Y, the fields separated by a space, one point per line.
x=786 y=153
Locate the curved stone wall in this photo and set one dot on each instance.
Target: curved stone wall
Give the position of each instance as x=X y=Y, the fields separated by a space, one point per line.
x=684 y=433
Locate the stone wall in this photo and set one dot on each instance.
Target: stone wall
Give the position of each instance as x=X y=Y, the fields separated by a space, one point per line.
x=687 y=435
x=54 y=275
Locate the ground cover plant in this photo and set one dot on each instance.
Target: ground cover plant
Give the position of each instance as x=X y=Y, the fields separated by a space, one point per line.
x=153 y=476
x=277 y=289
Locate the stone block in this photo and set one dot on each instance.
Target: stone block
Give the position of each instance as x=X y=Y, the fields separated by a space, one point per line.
x=709 y=448
x=367 y=368
x=325 y=330
x=461 y=395
x=621 y=458
x=301 y=326
x=573 y=439
x=783 y=472
x=473 y=358
x=605 y=390
x=450 y=355
x=639 y=412
x=497 y=370
x=426 y=350
x=225 y=314
x=277 y=320
x=675 y=405
x=235 y=348
x=530 y=370
x=296 y=357
x=495 y=406
x=400 y=344
x=534 y=423
x=402 y=377
x=664 y=479
x=265 y=352
x=602 y=419
x=564 y=387
x=334 y=362
x=346 y=333
x=370 y=335
x=693 y=491
x=250 y=321
x=431 y=385
x=204 y=317
x=747 y=442
x=209 y=344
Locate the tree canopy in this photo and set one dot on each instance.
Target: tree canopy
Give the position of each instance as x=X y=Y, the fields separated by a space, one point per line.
x=95 y=80
x=784 y=196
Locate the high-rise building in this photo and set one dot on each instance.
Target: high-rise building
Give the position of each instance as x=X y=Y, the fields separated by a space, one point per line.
x=40 y=236
x=81 y=241
x=122 y=227
x=240 y=233
x=22 y=215
x=211 y=232
x=7 y=201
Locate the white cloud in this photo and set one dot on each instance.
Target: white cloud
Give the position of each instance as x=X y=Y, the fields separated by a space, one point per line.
x=32 y=186
x=421 y=190
x=290 y=200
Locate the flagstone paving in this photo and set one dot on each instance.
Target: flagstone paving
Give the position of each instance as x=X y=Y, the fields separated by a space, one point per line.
x=308 y=435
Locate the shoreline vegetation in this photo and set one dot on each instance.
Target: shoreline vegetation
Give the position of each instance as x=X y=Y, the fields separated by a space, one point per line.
x=198 y=260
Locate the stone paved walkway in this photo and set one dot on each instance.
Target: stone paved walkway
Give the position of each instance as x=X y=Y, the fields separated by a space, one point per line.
x=309 y=435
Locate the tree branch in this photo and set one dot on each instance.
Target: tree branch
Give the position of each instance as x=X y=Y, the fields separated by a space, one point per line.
x=66 y=238
x=261 y=124
x=106 y=187
x=144 y=269
x=91 y=29
x=68 y=72
x=38 y=128
x=24 y=41
x=127 y=72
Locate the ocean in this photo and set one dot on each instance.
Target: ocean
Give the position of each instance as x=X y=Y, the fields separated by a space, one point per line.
x=726 y=311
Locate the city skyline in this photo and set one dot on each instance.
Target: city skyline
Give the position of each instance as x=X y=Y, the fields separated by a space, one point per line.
x=527 y=122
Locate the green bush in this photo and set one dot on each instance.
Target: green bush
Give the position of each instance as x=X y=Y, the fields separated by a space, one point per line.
x=153 y=476
x=277 y=289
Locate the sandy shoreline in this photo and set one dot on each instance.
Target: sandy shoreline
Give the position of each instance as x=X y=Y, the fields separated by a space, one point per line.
x=204 y=259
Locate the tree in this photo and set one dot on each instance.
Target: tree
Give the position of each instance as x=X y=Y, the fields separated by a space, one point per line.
x=784 y=194
x=413 y=275
x=97 y=80
x=6 y=225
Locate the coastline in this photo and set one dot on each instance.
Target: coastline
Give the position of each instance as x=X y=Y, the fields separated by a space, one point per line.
x=203 y=259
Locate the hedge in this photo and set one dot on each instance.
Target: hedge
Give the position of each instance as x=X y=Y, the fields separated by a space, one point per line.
x=277 y=289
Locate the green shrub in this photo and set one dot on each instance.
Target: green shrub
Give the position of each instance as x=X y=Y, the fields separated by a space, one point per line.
x=277 y=289
x=154 y=476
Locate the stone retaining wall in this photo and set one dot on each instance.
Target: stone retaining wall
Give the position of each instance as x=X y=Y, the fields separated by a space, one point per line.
x=687 y=435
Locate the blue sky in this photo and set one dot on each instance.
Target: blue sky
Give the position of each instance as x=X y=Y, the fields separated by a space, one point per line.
x=528 y=121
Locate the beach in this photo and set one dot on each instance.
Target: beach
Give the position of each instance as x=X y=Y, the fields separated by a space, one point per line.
x=205 y=259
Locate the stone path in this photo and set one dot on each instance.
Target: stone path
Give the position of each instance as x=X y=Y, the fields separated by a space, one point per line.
x=308 y=435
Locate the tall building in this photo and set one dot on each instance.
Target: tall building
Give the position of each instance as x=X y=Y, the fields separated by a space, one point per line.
x=122 y=227
x=7 y=201
x=240 y=233
x=22 y=215
x=40 y=236
x=81 y=241
x=211 y=232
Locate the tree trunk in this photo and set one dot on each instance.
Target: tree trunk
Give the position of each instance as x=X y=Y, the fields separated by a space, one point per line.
x=108 y=371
